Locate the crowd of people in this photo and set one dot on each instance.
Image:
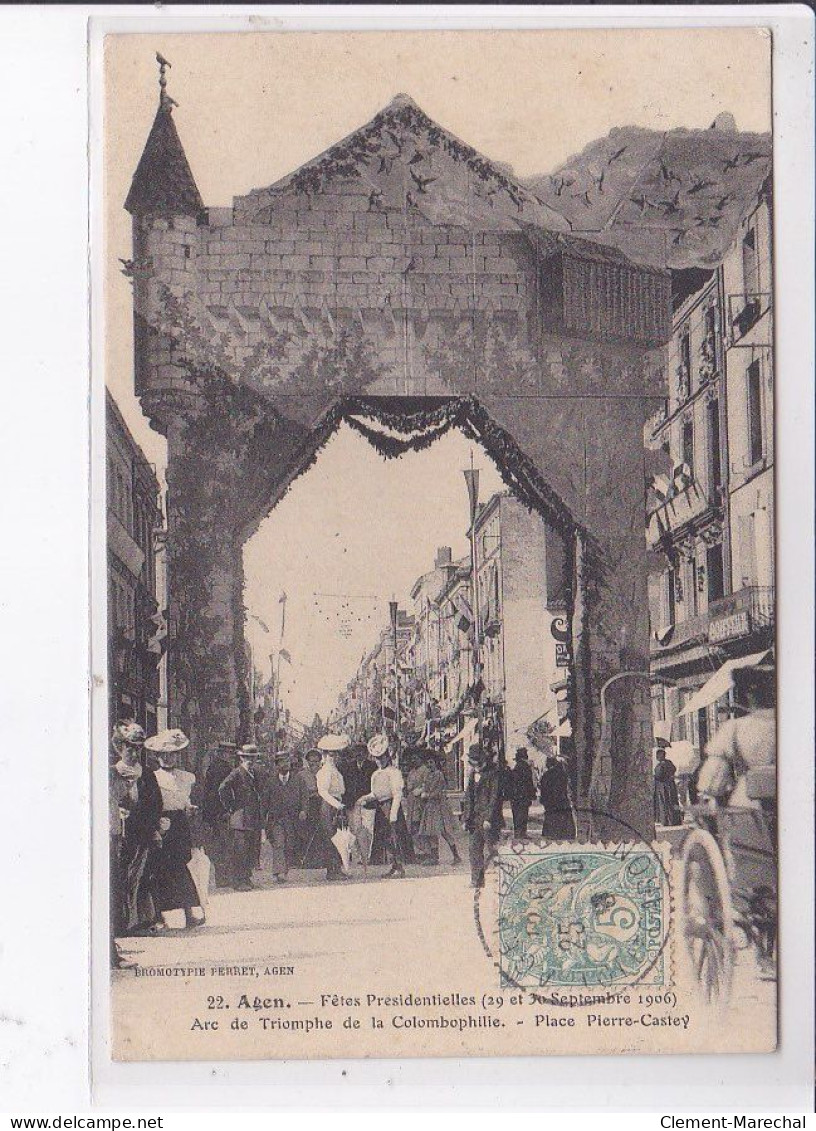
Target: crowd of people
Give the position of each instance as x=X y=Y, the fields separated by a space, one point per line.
x=337 y=807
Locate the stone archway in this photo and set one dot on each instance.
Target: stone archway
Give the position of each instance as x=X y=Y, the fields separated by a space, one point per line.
x=258 y=327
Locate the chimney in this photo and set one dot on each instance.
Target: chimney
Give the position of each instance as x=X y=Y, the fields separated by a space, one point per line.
x=444 y=557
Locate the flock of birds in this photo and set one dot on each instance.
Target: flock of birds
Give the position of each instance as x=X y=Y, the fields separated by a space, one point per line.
x=667 y=197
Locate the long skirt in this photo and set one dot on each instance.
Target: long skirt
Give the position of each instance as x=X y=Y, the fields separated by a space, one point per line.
x=437 y=818
x=382 y=838
x=311 y=849
x=173 y=886
x=138 y=871
x=558 y=824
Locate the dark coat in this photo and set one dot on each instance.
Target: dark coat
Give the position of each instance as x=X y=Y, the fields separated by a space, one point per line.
x=243 y=795
x=523 y=789
x=482 y=800
x=667 y=809
x=357 y=780
x=554 y=791
x=212 y=811
x=285 y=801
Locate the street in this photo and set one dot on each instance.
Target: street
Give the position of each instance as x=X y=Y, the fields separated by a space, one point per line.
x=308 y=938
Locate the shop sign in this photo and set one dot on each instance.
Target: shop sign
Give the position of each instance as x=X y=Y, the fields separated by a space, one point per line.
x=731 y=627
x=560 y=634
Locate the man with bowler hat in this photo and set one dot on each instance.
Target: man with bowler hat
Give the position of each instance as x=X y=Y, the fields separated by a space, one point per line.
x=243 y=795
x=522 y=792
x=481 y=813
x=286 y=805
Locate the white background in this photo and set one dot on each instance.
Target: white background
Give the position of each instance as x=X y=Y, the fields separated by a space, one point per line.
x=44 y=603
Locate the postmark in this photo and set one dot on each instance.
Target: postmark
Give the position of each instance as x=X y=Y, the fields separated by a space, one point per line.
x=582 y=915
x=587 y=919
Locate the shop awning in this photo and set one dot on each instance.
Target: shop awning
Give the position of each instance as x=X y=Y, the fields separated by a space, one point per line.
x=721 y=682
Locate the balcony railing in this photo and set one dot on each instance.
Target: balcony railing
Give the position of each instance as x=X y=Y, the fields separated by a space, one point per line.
x=744 y=311
x=674 y=513
x=749 y=610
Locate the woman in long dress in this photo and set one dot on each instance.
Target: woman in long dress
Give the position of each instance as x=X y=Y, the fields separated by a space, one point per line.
x=173 y=888
x=667 y=809
x=554 y=791
x=141 y=805
x=436 y=818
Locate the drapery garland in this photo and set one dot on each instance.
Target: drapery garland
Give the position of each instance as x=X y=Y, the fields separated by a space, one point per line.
x=418 y=423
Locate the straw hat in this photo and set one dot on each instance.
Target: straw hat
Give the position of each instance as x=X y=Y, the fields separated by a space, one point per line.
x=378 y=746
x=250 y=750
x=127 y=734
x=167 y=742
x=332 y=743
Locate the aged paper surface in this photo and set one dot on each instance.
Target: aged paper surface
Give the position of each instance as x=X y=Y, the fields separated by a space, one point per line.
x=440 y=543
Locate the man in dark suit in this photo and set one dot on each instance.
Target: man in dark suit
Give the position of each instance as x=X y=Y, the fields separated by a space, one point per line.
x=214 y=815
x=357 y=773
x=481 y=813
x=243 y=795
x=522 y=792
x=286 y=805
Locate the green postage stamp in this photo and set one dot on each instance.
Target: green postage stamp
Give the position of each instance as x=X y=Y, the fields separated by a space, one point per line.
x=583 y=915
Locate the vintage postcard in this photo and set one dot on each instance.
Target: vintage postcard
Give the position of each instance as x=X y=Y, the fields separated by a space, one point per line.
x=439 y=406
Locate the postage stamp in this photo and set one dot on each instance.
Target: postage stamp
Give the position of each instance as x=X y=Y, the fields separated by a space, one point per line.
x=583 y=915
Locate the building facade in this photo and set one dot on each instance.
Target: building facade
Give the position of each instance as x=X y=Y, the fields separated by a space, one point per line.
x=710 y=515
x=135 y=540
x=521 y=613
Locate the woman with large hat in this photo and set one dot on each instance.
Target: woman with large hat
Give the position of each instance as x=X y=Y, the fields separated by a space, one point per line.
x=331 y=788
x=173 y=888
x=391 y=836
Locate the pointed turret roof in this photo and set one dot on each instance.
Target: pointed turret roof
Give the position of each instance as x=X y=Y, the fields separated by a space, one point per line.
x=163 y=184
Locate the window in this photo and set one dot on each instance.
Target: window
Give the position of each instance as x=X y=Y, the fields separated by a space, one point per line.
x=715 y=572
x=691 y=588
x=714 y=457
x=658 y=705
x=710 y=322
x=687 y=444
x=684 y=367
x=670 y=597
x=750 y=263
x=685 y=351
x=754 y=395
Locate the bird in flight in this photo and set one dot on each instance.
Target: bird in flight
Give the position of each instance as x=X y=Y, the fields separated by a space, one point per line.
x=699 y=186
x=671 y=206
x=421 y=182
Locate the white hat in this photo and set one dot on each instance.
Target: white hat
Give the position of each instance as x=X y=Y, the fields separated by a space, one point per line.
x=378 y=746
x=167 y=742
x=331 y=743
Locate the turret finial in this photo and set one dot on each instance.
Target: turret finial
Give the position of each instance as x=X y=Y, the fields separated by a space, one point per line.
x=164 y=97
